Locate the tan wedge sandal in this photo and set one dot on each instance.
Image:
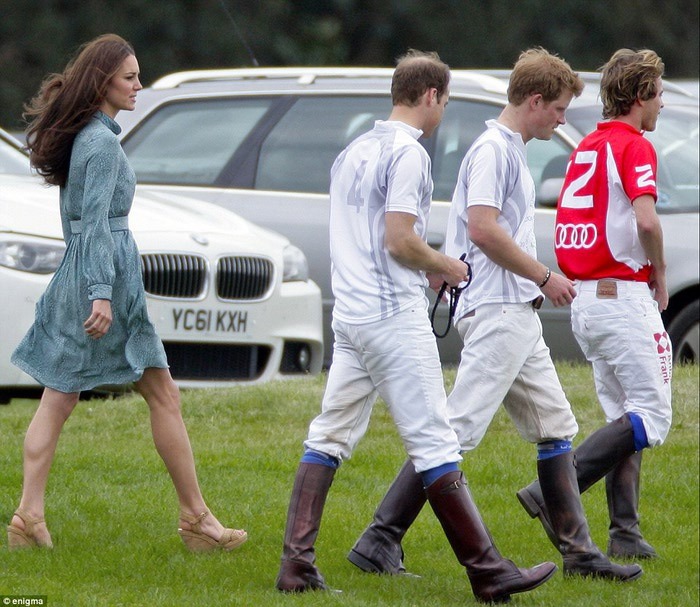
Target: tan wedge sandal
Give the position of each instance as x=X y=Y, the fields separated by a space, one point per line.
x=196 y=541
x=26 y=538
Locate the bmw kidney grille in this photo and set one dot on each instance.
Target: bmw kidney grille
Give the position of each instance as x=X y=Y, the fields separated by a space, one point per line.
x=185 y=276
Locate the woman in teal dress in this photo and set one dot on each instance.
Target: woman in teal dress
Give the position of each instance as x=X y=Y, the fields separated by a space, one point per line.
x=91 y=326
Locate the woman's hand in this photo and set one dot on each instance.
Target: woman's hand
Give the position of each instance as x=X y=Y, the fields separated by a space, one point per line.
x=99 y=322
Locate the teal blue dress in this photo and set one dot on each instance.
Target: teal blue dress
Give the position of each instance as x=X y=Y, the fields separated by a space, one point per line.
x=101 y=262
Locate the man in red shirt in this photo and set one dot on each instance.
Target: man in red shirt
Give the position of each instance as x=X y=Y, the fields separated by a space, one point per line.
x=609 y=241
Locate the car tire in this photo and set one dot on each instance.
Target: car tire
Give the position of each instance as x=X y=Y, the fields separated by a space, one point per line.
x=684 y=332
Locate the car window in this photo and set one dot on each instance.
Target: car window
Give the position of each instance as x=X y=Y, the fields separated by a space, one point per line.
x=298 y=153
x=677 y=148
x=190 y=142
x=462 y=123
x=547 y=160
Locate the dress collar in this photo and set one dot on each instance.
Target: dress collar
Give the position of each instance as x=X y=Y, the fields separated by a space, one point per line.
x=108 y=122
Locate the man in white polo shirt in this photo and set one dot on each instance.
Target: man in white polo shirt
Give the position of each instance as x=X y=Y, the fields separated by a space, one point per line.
x=380 y=199
x=609 y=240
x=504 y=358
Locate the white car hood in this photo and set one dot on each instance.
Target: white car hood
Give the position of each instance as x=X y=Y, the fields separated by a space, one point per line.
x=28 y=206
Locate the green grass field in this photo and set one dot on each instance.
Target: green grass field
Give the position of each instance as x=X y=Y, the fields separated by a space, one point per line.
x=112 y=510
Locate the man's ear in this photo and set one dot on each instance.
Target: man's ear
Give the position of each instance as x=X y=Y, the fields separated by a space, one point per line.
x=535 y=100
x=431 y=97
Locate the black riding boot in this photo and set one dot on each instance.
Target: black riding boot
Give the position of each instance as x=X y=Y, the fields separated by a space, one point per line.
x=493 y=578
x=622 y=490
x=593 y=459
x=561 y=494
x=378 y=550
x=297 y=571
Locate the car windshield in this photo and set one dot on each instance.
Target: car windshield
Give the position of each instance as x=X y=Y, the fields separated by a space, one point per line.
x=676 y=142
x=12 y=160
x=192 y=142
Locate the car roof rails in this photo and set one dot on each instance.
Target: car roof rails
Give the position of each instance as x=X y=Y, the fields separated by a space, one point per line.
x=305 y=75
x=309 y=75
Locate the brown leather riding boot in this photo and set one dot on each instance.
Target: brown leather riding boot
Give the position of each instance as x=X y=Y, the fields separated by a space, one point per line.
x=593 y=459
x=297 y=571
x=561 y=495
x=622 y=490
x=378 y=550
x=493 y=578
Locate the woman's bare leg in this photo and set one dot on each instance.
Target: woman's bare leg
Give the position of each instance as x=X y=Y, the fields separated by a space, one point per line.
x=39 y=450
x=173 y=445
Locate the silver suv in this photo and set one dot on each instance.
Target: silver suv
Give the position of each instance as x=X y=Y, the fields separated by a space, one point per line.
x=261 y=142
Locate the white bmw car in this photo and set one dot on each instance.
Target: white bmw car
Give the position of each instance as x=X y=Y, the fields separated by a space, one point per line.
x=231 y=301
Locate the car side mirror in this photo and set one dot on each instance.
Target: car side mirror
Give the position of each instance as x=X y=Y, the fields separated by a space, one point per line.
x=549 y=192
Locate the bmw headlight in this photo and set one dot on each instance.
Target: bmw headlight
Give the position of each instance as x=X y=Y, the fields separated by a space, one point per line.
x=295 y=265
x=34 y=255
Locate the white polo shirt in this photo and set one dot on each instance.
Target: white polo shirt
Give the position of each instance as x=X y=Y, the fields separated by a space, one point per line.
x=494 y=173
x=383 y=170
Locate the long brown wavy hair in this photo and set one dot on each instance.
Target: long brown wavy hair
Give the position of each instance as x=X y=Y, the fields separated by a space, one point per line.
x=629 y=75
x=66 y=102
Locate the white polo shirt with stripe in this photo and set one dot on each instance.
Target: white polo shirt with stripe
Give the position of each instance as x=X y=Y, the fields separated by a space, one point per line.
x=494 y=173
x=386 y=169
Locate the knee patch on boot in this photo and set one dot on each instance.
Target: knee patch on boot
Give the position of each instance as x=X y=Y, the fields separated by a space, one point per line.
x=316 y=457
x=640 y=434
x=430 y=476
x=552 y=448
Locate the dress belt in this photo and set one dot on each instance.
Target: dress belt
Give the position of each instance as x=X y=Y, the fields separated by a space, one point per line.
x=116 y=224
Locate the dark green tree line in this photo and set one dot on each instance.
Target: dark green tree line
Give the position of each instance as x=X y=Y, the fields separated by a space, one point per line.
x=38 y=36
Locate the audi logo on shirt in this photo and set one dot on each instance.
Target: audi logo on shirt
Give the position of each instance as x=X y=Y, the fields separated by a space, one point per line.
x=575 y=236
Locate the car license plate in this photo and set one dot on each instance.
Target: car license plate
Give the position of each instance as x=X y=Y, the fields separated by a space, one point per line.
x=202 y=320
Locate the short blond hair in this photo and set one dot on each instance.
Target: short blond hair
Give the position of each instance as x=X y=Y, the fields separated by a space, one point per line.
x=537 y=71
